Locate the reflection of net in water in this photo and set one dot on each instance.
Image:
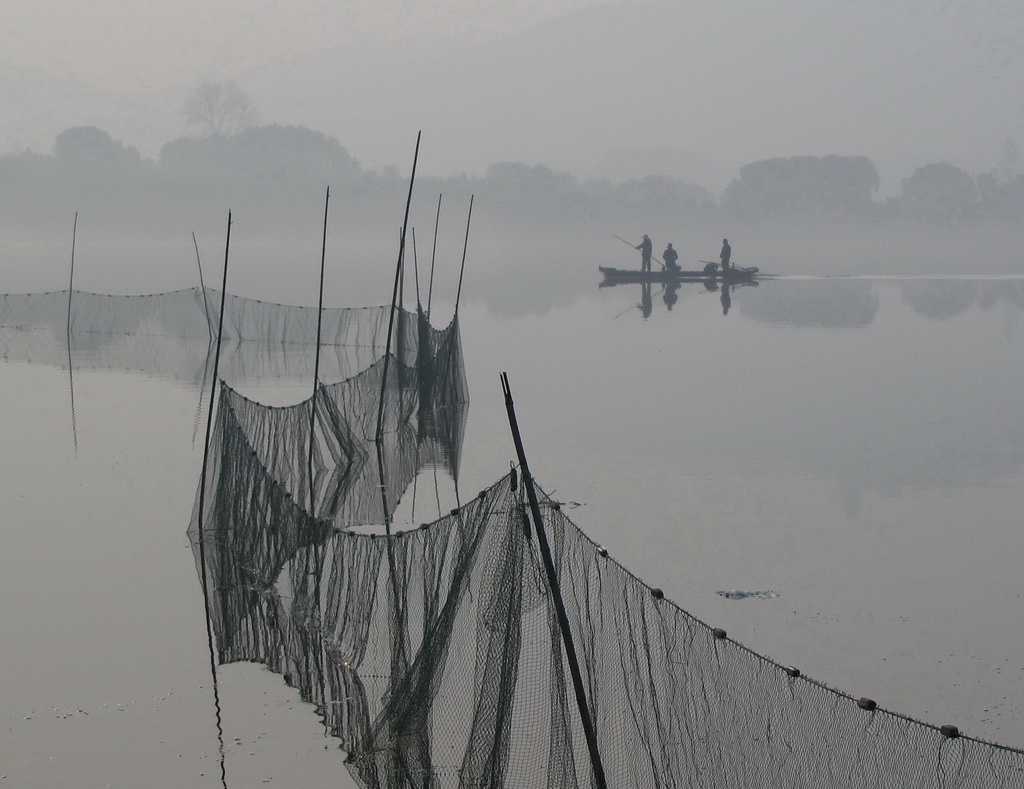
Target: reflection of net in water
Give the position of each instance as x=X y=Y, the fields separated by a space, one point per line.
x=170 y=334
x=435 y=658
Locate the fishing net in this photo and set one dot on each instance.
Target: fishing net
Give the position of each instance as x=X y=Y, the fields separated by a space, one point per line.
x=349 y=451
x=434 y=656
x=170 y=334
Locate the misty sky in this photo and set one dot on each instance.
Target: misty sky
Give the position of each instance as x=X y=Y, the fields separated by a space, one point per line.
x=691 y=88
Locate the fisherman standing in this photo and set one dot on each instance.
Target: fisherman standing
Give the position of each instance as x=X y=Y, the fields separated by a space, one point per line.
x=646 y=247
x=670 y=256
x=726 y=254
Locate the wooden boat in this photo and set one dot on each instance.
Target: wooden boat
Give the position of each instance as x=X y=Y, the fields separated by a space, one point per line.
x=709 y=283
x=735 y=274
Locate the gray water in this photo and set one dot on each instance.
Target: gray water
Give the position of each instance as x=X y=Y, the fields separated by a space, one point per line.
x=853 y=446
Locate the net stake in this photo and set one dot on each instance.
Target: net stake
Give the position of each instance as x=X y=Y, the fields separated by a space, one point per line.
x=556 y=594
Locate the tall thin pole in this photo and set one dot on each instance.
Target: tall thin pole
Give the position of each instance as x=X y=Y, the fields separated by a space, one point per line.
x=202 y=285
x=556 y=594
x=394 y=294
x=202 y=502
x=433 y=254
x=71 y=283
x=416 y=267
x=465 y=245
x=71 y=374
x=312 y=433
x=316 y=363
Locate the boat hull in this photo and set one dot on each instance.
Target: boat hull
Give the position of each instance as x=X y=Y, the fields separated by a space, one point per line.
x=664 y=275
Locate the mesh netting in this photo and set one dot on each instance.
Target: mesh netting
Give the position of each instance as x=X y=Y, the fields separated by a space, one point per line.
x=435 y=657
x=349 y=477
x=170 y=334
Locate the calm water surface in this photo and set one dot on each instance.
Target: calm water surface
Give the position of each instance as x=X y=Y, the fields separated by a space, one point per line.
x=855 y=446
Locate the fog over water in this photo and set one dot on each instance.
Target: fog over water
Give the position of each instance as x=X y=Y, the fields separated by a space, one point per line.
x=846 y=433
x=851 y=445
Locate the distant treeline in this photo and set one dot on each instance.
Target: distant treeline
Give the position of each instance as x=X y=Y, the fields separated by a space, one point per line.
x=245 y=169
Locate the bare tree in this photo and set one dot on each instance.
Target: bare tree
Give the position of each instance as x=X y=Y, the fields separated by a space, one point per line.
x=219 y=108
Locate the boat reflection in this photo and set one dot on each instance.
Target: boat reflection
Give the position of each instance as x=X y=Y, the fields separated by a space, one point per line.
x=669 y=292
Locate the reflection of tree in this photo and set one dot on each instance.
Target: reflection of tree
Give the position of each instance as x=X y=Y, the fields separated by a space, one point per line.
x=990 y=293
x=830 y=304
x=940 y=299
x=944 y=299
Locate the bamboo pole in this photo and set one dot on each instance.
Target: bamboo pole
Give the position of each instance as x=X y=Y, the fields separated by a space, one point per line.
x=71 y=283
x=318 y=548
x=556 y=595
x=416 y=267
x=394 y=295
x=202 y=503
x=316 y=363
x=465 y=245
x=202 y=285
x=71 y=373
x=433 y=254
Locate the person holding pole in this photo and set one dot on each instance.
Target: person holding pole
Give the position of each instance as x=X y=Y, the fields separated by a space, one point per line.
x=646 y=247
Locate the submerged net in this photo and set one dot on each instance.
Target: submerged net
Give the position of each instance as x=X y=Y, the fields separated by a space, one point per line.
x=435 y=657
x=171 y=334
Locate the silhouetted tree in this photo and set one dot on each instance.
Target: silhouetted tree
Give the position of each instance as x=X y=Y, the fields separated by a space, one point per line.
x=1005 y=200
x=655 y=192
x=803 y=186
x=219 y=108
x=290 y=153
x=517 y=178
x=939 y=190
x=90 y=145
x=1009 y=163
